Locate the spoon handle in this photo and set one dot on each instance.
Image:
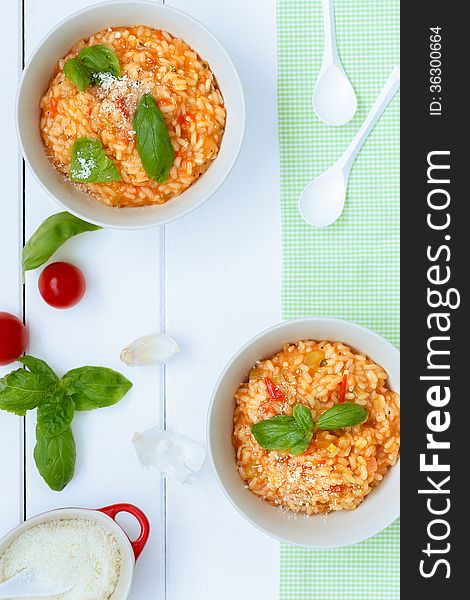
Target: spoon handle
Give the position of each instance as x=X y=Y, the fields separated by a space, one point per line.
x=330 y=53
x=388 y=91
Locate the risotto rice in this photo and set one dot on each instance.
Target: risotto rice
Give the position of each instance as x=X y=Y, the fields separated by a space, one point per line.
x=186 y=93
x=340 y=467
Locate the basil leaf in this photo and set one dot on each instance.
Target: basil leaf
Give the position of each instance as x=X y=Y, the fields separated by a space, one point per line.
x=286 y=433
x=91 y=163
x=36 y=365
x=99 y=59
x=95 y=387
x=278 y=433
x=50 y=236
x=78 y=74
x=23 y=390
x=55 y=415
x=91 y=61
x=302 y=444
x=55 y=458
x=346 y=414
x=303 y=416
x=153 y=140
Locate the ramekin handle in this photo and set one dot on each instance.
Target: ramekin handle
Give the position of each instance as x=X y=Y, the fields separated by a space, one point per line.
x=139 y=543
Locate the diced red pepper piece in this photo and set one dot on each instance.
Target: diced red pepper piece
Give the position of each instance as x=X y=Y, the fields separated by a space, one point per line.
x=343 y=389
x=274 y=392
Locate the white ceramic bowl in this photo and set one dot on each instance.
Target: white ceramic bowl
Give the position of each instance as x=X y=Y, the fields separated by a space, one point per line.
x=36 y=78
x=105 y=517
x=341 y=528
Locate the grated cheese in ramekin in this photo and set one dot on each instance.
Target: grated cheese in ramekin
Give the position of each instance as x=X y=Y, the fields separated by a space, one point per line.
x=72 y=552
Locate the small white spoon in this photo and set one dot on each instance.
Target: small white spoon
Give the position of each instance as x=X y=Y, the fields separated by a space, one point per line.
x=26 y=584
x=334 y=99
x=322 y=201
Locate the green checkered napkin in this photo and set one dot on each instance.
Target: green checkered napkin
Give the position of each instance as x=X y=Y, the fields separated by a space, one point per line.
x=350 y=269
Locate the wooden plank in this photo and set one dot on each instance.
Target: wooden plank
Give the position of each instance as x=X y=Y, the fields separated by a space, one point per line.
x=11 y=209
x=122 y=302
x=221 y=289
x=223 y=269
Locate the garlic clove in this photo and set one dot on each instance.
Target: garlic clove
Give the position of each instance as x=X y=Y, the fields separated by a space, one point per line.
x=151 y=349
x=173 y=455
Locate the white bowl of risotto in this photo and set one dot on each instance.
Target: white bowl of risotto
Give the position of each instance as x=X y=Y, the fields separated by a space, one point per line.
x=303 y=432
x=77 y=107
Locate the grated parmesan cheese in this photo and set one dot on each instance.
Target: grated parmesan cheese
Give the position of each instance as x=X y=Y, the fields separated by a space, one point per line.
x=72 y=552
x=86 y=167
x=119 y=97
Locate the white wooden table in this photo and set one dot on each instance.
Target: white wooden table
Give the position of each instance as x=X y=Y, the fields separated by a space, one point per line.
x=210 y=280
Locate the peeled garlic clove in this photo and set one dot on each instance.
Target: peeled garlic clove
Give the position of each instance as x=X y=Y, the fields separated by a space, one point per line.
x=149 y=350
x=173 y=455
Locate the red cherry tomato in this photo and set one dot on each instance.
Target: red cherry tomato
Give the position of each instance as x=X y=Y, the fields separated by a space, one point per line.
x=13 y=338
x=61 y=285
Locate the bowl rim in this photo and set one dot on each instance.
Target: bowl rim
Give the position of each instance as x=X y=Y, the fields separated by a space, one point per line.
x=77 y=512
x=266 y=332
x=159 y=6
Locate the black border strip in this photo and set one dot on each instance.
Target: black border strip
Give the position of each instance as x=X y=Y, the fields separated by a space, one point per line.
x=434 y=257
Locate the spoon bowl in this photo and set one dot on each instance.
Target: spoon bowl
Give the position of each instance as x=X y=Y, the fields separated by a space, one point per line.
x=322 y=201
x=334 y=98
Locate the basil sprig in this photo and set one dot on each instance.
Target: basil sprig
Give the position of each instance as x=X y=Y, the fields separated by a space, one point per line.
x=152 y=139
x=50 y=236
x=92 y=60
x=295 y=433
x=37 y=386
x=91 y=163
x=284 y=432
